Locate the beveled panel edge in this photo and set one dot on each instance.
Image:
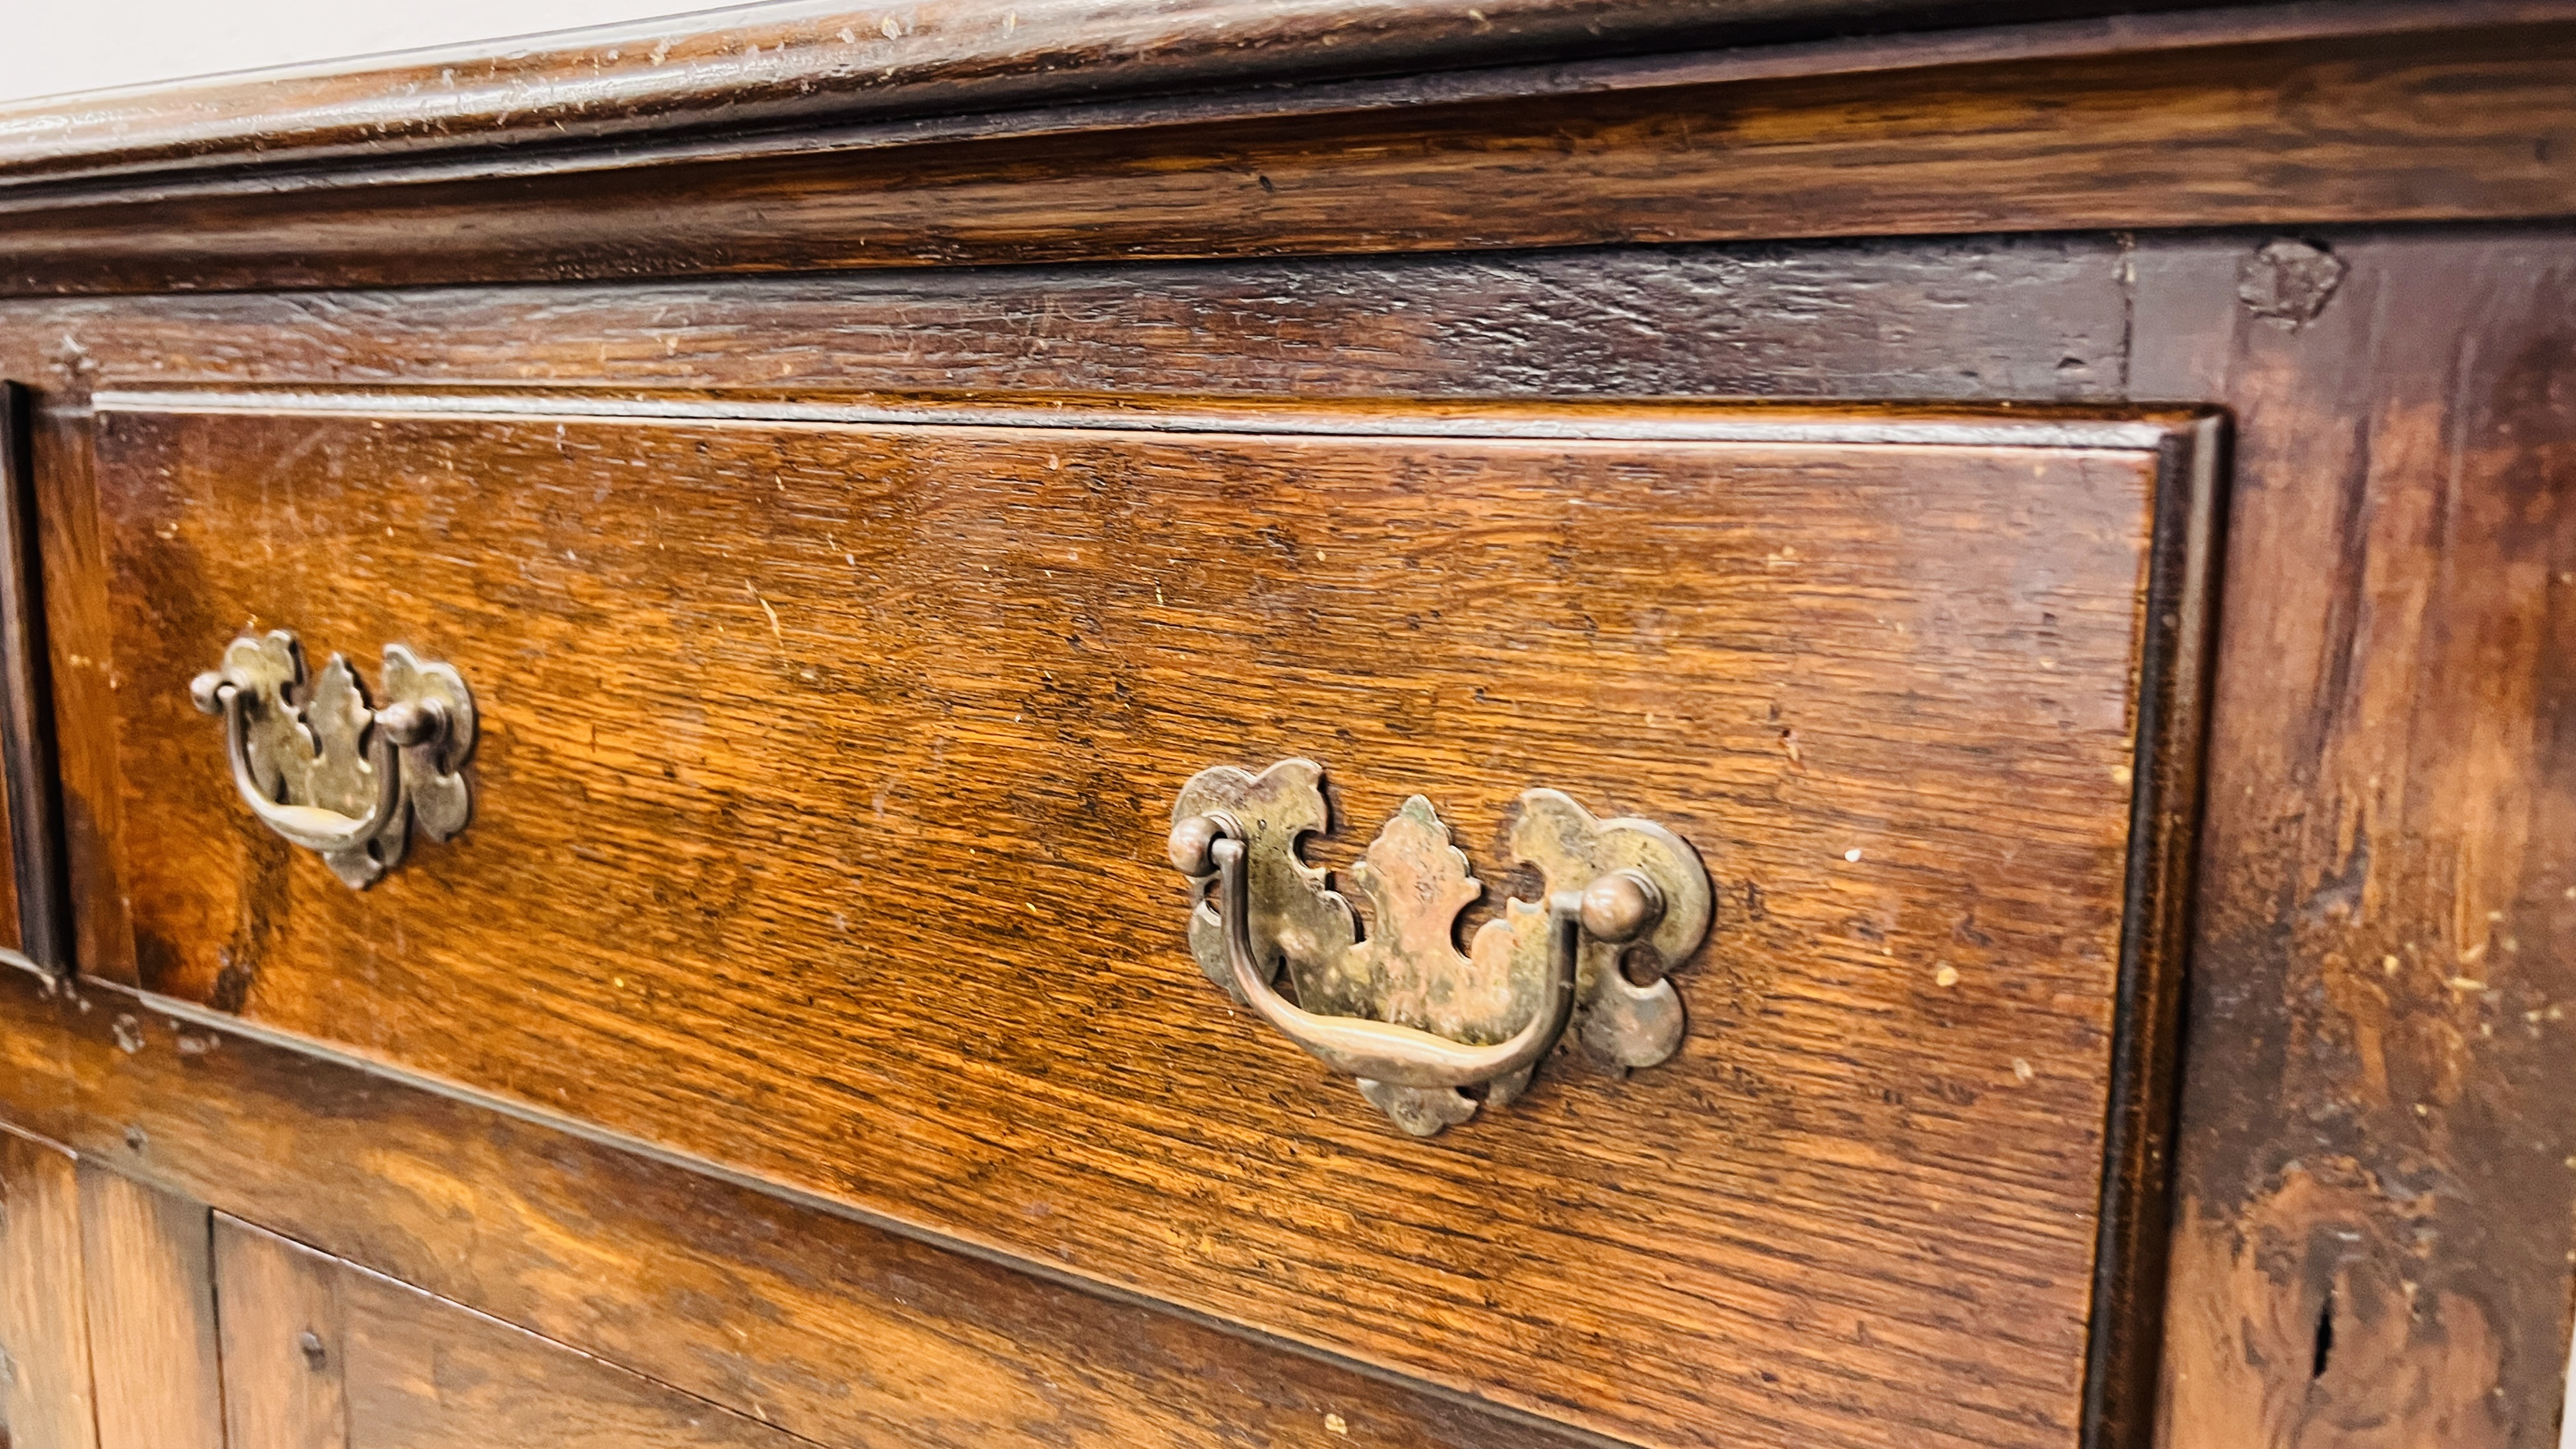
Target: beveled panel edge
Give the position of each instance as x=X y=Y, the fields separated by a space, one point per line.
x=2111 y=426
x=2177 y=658
x=119 y=1021
x=34 y=785
x=946 y=70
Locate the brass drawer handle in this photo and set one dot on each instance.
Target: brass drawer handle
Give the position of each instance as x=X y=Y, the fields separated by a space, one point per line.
x=303 y=758
x=1401 y=1010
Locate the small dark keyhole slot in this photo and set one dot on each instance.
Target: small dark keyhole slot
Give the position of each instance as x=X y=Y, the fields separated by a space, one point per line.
x=2325 y=1338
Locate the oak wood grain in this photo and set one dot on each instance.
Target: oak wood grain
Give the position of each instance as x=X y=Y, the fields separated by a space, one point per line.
x=376 y=1364
x=813 y=1321
x=33 y=1059
x=978 y=658
x=149 y=1275
x=44 y=1343
x=1980 y=318
x=780 y=1308
x=2375 y=1188
x=425 y=1374
x=285 y=1350
x=2452 y=125
x=2022 y=319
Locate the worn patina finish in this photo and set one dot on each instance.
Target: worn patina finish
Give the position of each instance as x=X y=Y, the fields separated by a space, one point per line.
x=1402 y=1010
x=325 y=771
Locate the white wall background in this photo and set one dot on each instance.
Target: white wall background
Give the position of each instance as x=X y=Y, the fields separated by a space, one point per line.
x=51 y=47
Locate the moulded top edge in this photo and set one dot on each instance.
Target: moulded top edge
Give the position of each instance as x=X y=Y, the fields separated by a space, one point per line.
x=764 y=69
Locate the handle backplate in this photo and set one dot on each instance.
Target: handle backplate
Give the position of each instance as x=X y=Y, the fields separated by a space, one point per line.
x=1401 y=1009
x=320 y=767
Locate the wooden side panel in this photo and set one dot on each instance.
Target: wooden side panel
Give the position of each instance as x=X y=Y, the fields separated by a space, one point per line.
x=425 y=1374
x=285 y=1355
x=330 y=1354
x=44 y=1340
x=153 y=1351
x=2377 y=1196
x=791 y=702
x=833 y=1329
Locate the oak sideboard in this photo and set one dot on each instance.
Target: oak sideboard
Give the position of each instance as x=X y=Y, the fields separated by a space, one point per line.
x=1816 y=723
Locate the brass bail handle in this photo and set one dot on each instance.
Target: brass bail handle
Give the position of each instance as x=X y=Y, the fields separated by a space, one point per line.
x=1401 y=1008
x=1616 y=908
x=324 y=770
x=315 y=827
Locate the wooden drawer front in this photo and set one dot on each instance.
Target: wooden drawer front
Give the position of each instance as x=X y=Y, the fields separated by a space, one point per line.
x=824 y=762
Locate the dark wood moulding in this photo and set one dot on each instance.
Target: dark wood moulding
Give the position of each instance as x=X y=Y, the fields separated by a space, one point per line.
x=39 y=912
x=2272 y=115
x=829 y=64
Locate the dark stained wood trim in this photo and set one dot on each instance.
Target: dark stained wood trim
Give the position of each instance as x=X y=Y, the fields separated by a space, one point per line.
x=26 y=704
x=807 y=65
x=2173 y=726
x=2463 y=123
x=2021 y=319
x=510 y=1210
